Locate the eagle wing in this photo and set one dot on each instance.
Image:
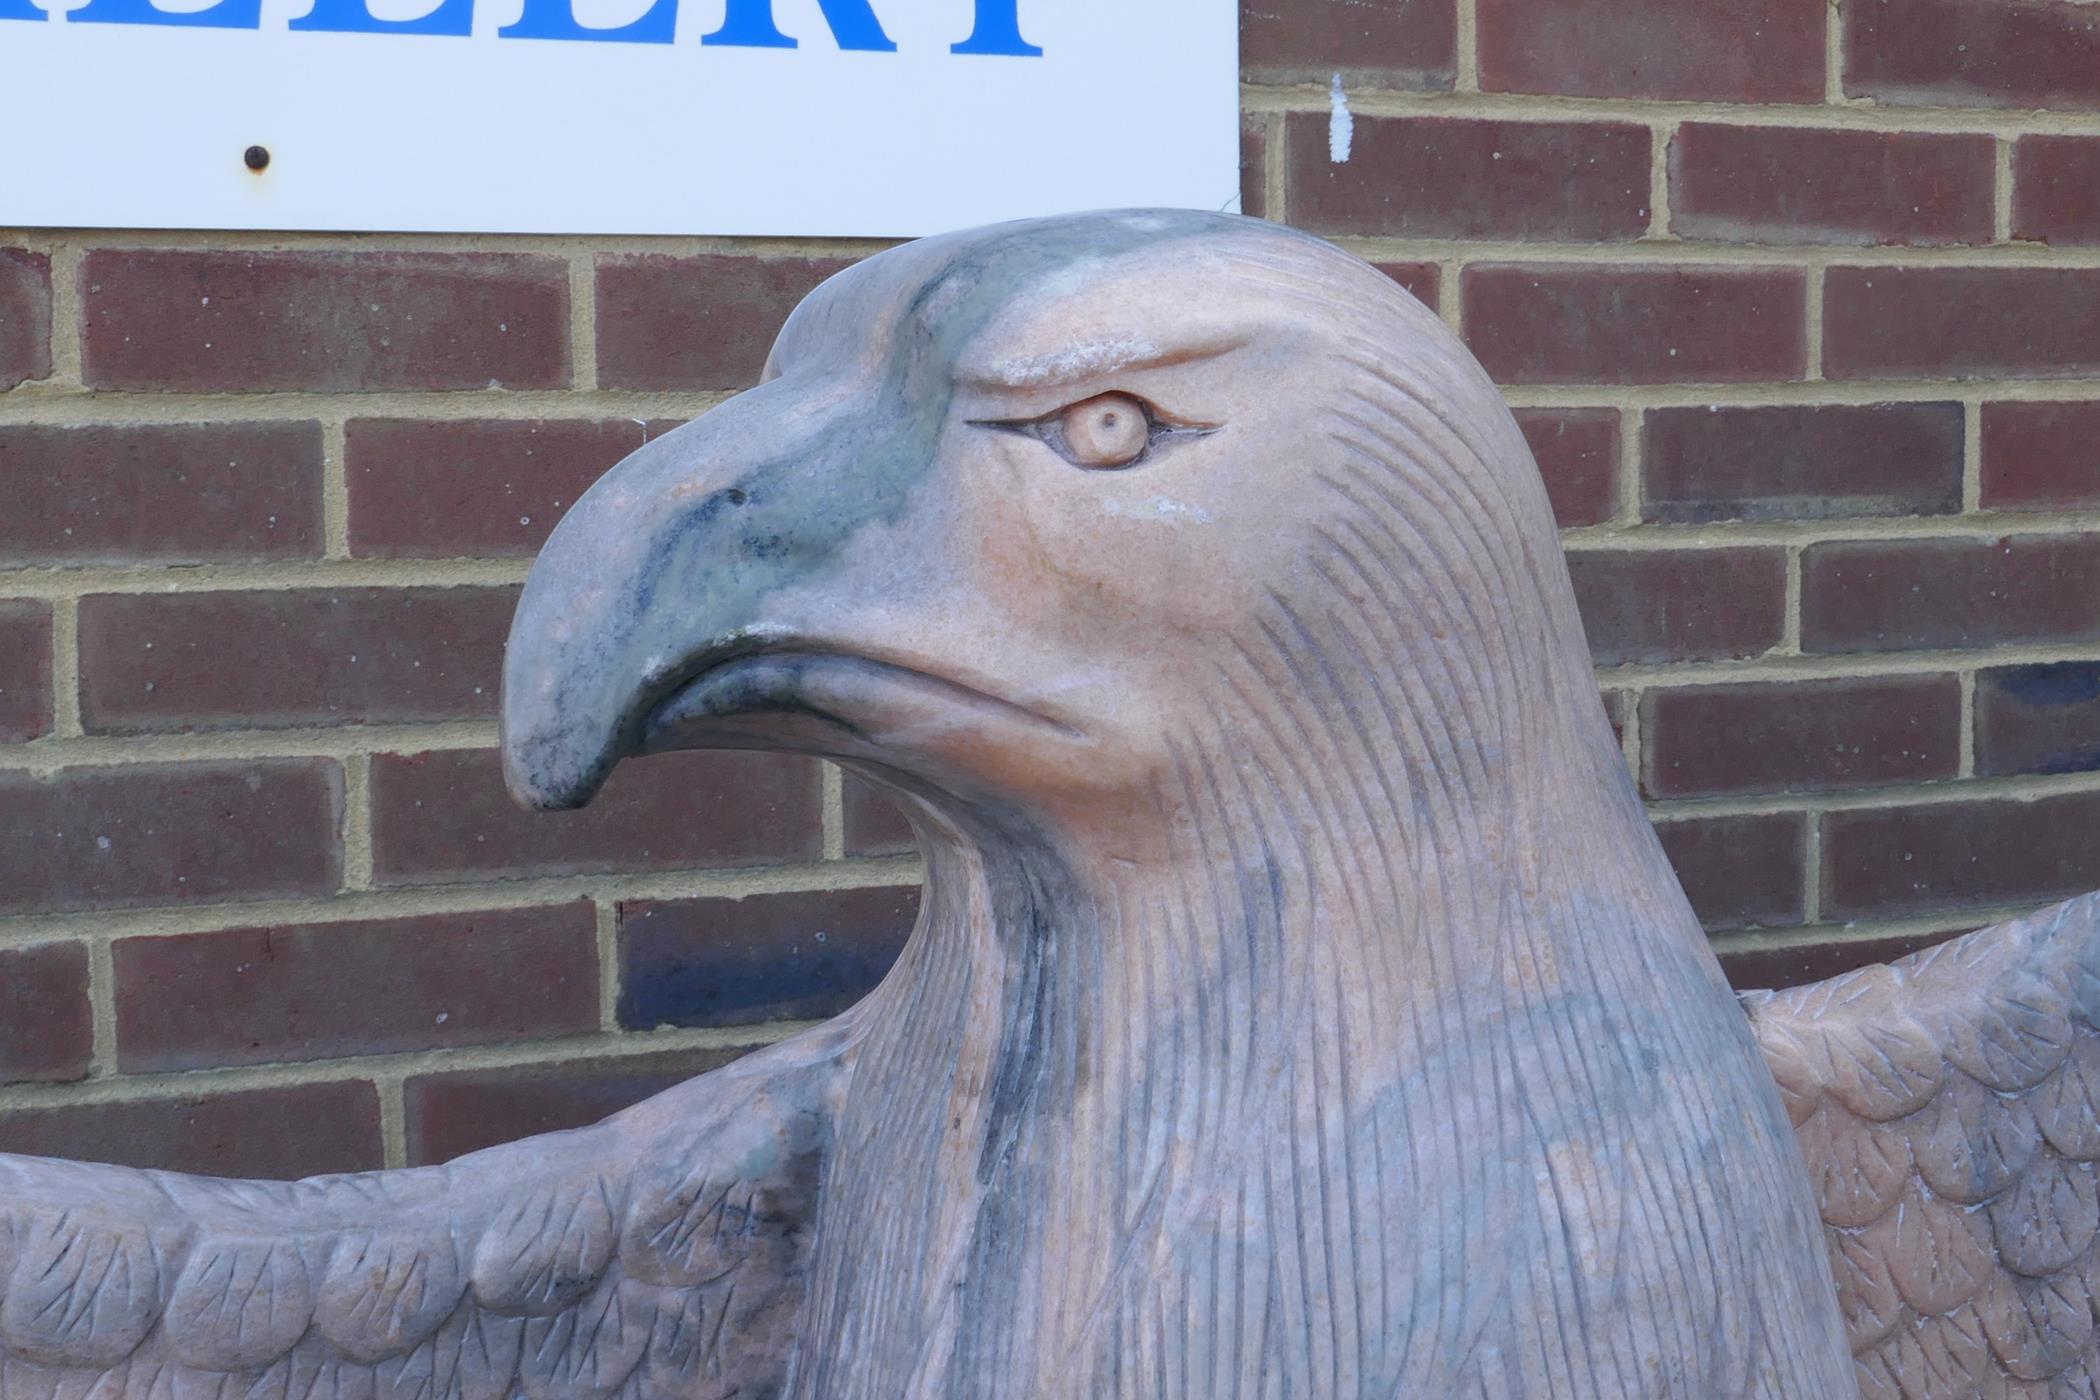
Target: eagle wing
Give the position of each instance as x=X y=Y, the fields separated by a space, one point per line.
x=658 y=1254
x=1949 y=1108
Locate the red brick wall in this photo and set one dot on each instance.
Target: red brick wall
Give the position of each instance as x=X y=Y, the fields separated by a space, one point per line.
x=1799 y=305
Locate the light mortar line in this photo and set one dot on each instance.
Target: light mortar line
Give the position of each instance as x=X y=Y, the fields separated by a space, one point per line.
x=2002 y=191
x=1275 y=185
x=1466 y=58
x=1659 y=136
x=1630 y=735
x=65 y=670
x=1834 y=54
x=1450 y=298
x=393 y=1120
x=1860 y=930
x=102 y=1009
x=1965 y=763
x=607 y=911
x=1683 y=252
x=2026 y=788
x=1851 y=114
x=1842 y=665
x=553 y=247
x=1812 y=278
x=1631 y=427
x=583 y=318
x=1583 y=539
x=493 y=892
x=68 y=317
x=357 y=821
x=1790 y=617
x=1972 y=457
x=335 y=490
x=1811 y=868
x=47 y=756
x=1823 y=391
x=834 y=811
x=595 y=1049
x=215 y=578
x=43 y=404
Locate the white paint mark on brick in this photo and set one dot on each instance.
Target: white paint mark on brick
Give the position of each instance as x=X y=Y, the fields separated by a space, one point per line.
x=1341 y=127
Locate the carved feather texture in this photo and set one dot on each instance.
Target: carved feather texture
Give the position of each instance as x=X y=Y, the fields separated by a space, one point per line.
x=1949 y=1108
x=501 y=1275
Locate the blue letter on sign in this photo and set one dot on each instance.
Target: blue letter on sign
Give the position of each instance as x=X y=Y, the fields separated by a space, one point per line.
x=749 y=24
x=354 y=17
x=998 y=31
x=227 y=14
x=20 y=9
x=556 y=19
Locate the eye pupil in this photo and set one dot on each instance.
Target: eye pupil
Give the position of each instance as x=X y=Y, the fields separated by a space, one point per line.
x=1110 y=430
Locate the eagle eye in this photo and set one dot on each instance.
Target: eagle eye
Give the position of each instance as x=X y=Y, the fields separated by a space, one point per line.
x=1104 y=433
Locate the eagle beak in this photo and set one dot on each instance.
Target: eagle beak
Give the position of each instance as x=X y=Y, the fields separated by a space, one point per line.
x=662 y=569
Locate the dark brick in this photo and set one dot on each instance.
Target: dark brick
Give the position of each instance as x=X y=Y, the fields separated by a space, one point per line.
x=874 y=825
x=1254 y=170
x=2056 y=189
x=1772 y=968
x=703 y=322
x=1561 y=324
x=778 y=957
x=450 y=1115
x=25 y=671
x=168 y=494
x=1577 y=450
x=1419 y=279
x=268 y=658
x=250 y=996
x=246 y=322
x=445 y=816
x=1439 y=177
x=2041 y=456
x=275 y=1134
x=1712 y=50
x=1905 y=860
x=1801 y=735
x=1764 y=184
x=2038 y=719
x=485 y=488
x=25 y=316
x=1411 y=45
x=1679 y=604
x=173 y=833
x=46 y=1025
x=1973 y=53
x=1960 y=322
x=1813 y=462
x=1894 y=595
x=1739 y=872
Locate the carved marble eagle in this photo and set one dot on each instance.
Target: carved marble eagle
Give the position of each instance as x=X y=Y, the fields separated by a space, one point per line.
x=1301 y=1005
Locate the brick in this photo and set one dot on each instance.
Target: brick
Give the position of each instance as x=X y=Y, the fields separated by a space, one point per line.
x=1973 y=53
x=269 y=658
x=446 y=816
x=249 y=996
x=1679 y=604
x=1813 y=462
x=1438 y=177
x=25 y=316
x=1254 y=170
x=1792 y=966
x=2041 y=456
x=1413 y=45
x=874 y=825
x=484 y=488
x=25 y=671
x=1563 y=324
x=704 y=322
x=1880 y=862
x=1707 y=740
x=46 y=1025
x=2056 y=189
x=277 y=1134
x=1960 y=322
x=162 y=494
x=1739 y=872
x=171 y=833
x=1710 y=50
x=2038 y=719
x=1764 y=184
x=1577 y=450
x=248 y=322
x=1419 y=279
x=1896 y=595
x=779 y=957
x=450 y=1115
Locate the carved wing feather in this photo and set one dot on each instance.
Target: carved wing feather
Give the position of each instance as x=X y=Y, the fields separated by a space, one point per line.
x=1949 y=1108
x=658 y=1254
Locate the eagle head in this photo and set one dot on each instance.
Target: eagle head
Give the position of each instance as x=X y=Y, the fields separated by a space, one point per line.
x=1010 y=505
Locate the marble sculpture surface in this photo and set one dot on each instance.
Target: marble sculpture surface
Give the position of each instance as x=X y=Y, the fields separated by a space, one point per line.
x=1301 y=1004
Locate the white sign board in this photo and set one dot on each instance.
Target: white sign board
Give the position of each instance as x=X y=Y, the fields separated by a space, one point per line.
x=843 y=117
